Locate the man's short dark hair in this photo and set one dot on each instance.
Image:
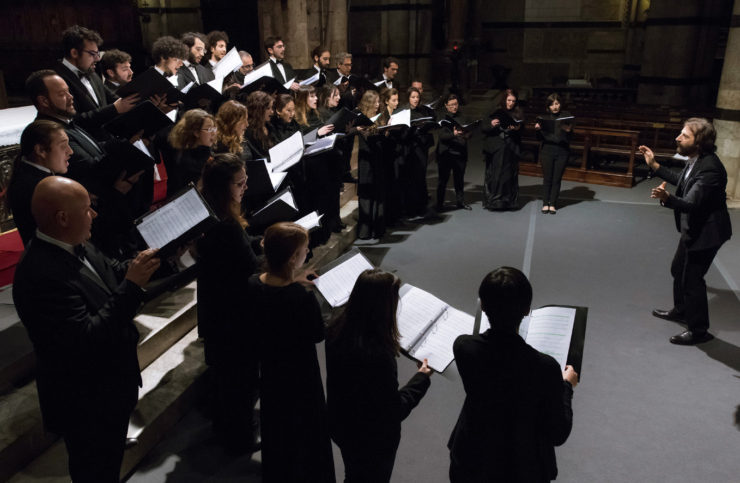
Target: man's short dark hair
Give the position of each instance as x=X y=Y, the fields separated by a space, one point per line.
x=271 y=41
x=704 y=134
x=112 y=58
x=75 y=36
x=388 y=61
x=318 y=50
x=451 y=97
x=36 y=85
x=506 y=297
x=39 y=132
x=188 y=38
x=213 y=37
x=168 y=47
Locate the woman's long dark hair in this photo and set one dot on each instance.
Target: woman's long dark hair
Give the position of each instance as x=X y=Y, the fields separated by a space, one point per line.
x=369 y=319
x=218 y=174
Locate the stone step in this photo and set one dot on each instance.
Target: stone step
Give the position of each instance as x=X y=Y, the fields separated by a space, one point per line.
x=162 y=322
x=172 y=379
x=170 y=385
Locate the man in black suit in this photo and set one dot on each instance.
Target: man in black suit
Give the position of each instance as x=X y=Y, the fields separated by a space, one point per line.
x=44 y=152
x=390 y=70
x=91 y=163
x=517 y=401
x=321 y=60
x=246 y=68
x=216 y=43
x=78 y=309
x=94 y=103
x=282 y=71
x=116 y=68
x=700 y=210
x=192 y=71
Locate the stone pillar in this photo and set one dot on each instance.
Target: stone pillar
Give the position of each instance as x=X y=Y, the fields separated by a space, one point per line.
x=727 y=121
x=680 y=45
x=295 y=34
x=336 y=35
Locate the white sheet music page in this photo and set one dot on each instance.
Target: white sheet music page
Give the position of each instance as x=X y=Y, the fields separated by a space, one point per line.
x=310 y=80
x=261 y=71
x=289 y=83
x=550 y=330
x=173 y=219
x=416 y=311
x=336 y=284
x=287 y=153
x=322 y=144
x=228 y=64
x=310 y=220
x=437 y=345
x=402 y=117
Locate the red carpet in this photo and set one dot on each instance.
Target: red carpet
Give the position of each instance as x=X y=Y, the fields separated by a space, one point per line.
x=11 y=248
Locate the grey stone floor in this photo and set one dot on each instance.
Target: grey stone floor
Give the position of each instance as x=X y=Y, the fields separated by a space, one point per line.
x=645 y=410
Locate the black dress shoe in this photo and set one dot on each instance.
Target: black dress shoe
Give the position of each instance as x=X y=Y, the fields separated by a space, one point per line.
x=673 y=315
x=131 y=442
x=689 y=337
x=464 y=206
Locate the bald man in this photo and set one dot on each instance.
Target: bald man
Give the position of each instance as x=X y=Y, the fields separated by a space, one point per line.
x=78 y=308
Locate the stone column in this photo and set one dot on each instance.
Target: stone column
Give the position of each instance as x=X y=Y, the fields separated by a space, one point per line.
x=336 y=35
x=727 y=121
x=295 y=34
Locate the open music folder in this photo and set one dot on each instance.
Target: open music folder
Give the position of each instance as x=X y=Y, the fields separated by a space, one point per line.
x=182 y=218
x=337 y=279
x=311 y=221
x=286 y=153
x=556 y=330
x=261 y=178
x=322 y=145
x=553 y=125
x=281 y=207
x=429 y=326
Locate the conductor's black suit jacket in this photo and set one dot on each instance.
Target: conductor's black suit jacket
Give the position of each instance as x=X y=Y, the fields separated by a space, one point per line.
x=700 y=203
x=82 y=332
x=90 y=114
x=517 y=408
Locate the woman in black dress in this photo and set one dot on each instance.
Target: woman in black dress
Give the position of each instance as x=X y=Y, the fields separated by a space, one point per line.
x=226 y=260
x=283 y=124
x=370 y=173
x=328 y=105
x=414 y=174
x=365 y=405
x=295 y=438
x=554 y=129
x=501 y=150
x=259 y=106
x=193 y=137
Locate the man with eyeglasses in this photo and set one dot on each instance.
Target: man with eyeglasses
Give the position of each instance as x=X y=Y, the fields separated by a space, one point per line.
x=94 y=103
x=193 y=71
x=246 y=68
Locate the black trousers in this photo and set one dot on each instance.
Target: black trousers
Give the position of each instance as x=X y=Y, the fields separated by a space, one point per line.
x=368 y=463
x=96 y=439
x=553 y=158
x=689 y=288
x=451 y=163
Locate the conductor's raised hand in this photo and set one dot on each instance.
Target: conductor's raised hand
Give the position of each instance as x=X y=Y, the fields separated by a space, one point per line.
x=424 y=367
x=495 y=122
x=660 y=193
x=649 y=157
x=570 y=375
x=142 y=267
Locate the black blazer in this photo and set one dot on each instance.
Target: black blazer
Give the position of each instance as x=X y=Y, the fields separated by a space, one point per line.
x=111 y=86
x=20 y=190
x=449 y=144
x=517 y=407
x=90 y=115
x=81 y=329
x=699 y=203
x=185 y=77
x=289 y=73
